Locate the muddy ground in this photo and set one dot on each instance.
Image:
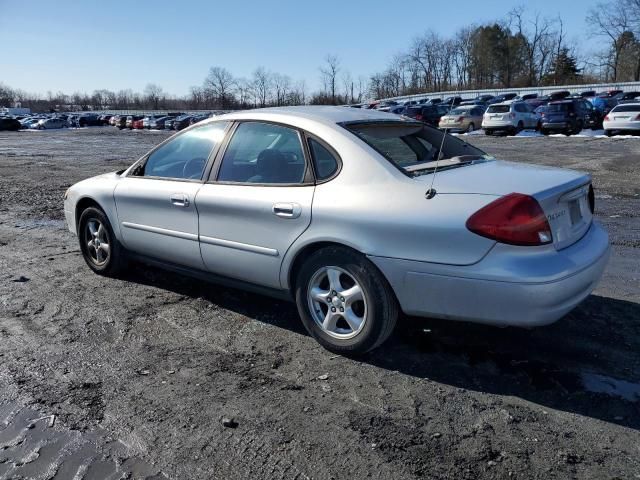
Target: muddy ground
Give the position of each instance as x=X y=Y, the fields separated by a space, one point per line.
x=139 y=372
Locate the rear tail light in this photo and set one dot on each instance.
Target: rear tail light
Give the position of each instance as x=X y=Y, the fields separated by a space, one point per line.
x=512 y=115
x=515 y=219
x=606 y=118
x=460 y=119
x=592 y=199
x=418 y=117
x=637 y=118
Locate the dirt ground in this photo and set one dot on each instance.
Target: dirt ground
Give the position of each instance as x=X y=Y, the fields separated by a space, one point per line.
x=139 y=373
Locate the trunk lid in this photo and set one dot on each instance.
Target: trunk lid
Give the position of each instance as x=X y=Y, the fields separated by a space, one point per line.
x=562 y=194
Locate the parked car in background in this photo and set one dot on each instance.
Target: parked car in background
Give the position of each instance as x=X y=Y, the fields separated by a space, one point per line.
x=89 y=120
x=626 y=97
x=168 y=123
x=27 y=122
x=527 y=96
x=132 y=118
x=429 y=114
x=50 y=123
x=462 y=119
x=509 y=117
x=452 y=101
x=150 y=120
x=121 y=121
x=559 y=95
x=610 y=99
x=10 y=124
x=503 y=97
x=157 y=123
x=623 y=118
x=568 y=117
x=138 y=124
x=588 y=93
x=182 y=122
x=105 y=119
x=385 y=105
x=397 y=109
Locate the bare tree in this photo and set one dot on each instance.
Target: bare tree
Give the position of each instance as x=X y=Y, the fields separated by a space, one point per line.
x=219 y=85
x=329 y=73
x=153 y=94
x=611 y=20
x=261 y=85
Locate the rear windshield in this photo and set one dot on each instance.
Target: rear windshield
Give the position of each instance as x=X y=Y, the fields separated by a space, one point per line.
x=558 y=107
x=407 y=145
x=626 y=108
x=498 y=109
x=460 y=111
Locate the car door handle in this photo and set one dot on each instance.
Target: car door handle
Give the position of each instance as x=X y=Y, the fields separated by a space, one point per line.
x=287 y=210
x=179 y=200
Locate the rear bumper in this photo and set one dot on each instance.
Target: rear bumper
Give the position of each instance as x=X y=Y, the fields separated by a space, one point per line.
x=511 y=286
x=627 y=126
x=495 y=125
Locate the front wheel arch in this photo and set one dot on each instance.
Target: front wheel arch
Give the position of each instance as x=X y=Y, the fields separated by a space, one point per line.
x=82 y=205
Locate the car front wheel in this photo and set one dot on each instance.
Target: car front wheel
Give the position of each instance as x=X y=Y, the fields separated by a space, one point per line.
x=100 y=247
x=344 y=301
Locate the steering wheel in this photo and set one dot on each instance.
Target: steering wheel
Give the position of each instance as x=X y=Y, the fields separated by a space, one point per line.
x=193 y=168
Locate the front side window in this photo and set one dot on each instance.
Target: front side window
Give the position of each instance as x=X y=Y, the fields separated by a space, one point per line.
x=263 y=153
x=324 y=162
x=185 y=156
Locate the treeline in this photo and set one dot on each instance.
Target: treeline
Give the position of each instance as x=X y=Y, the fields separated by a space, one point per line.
x=520 y=50
x=523 y=49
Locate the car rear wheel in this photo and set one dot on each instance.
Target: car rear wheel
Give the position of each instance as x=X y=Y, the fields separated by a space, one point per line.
x=344 y=301
x=100 y=248
x=608 y=133
x=519 y=127
x=471 y=127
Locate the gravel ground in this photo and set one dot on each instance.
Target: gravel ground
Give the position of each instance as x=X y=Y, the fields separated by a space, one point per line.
x=142 y=373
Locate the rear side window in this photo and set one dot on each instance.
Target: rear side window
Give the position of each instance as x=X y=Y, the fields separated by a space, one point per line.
x=324 y=163
x=263 y=153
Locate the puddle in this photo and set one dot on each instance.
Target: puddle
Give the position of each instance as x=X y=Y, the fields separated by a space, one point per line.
x=44 y=223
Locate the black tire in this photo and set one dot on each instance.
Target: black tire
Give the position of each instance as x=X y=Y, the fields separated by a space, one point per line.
x=116 y=260
x=544 y=131
x=520 y=127
x=608 y=133
x=488 y=132
x=381 y=305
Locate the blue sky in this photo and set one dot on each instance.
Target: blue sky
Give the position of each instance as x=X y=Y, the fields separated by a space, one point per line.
x=85 y=45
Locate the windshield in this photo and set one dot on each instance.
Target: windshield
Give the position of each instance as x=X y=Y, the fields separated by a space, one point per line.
x=413 y=146
x=558 y=107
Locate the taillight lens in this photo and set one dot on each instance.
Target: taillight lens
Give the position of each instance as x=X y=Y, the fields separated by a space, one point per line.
x=460 y=119
x=637 y=118
x=592 y=199
x=606 y=118
x=512 y=115
x=515 y=219
x=418 y=117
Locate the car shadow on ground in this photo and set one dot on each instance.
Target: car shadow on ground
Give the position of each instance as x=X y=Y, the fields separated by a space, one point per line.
x=587 y=363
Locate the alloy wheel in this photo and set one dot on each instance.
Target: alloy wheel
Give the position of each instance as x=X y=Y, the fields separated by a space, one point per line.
x=97 y=240
x=337 y=302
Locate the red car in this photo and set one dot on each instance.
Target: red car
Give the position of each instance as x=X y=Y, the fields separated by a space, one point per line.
x=137 y=124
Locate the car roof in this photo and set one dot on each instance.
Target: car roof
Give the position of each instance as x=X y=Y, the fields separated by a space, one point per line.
x=328 y=115
x=508 y=103
x=630 y=104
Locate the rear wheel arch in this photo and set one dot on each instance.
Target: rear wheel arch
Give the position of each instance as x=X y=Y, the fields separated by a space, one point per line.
x=305 y=252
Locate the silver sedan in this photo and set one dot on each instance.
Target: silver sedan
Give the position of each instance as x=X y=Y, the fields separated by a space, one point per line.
x=357 y=215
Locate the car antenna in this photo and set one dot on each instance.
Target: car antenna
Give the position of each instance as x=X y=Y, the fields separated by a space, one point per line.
x=430 y=193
